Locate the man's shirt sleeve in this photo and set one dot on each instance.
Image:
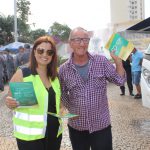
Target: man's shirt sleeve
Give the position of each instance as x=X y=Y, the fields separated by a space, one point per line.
x=64 y=91
x=112 y=75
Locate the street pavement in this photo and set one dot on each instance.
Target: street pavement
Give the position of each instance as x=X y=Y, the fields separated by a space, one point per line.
x=130 y=123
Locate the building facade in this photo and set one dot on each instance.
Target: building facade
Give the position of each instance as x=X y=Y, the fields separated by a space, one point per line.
x=126 y=10
x=136 y=9
x=126 y=13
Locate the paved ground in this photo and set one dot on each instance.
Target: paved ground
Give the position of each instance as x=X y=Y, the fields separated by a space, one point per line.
x=130 y=123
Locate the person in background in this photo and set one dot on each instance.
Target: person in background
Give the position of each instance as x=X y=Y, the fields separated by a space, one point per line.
x=1 y=73
x=137 y=58
x=127 y=67
x=33 y=127
x=83 y=80
x=10 y=67
x=26 y=55
x=5 y=76
x=18 y=59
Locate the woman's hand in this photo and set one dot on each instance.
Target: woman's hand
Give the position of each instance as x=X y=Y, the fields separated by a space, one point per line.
x=11 y=103
x=63 y=110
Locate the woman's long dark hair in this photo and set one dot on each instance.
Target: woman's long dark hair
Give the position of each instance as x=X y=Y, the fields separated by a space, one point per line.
x=52 y=66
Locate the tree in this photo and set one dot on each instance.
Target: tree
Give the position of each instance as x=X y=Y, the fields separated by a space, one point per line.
x=37 y=33
x=6 y=29
x=60 y=31
x=23 y=8
x=23 y=28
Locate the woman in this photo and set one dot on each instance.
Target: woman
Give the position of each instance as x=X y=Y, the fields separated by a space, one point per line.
x=33 y=128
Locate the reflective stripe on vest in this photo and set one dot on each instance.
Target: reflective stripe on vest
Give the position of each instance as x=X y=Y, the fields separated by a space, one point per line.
x=29 y=131
x=27 y=117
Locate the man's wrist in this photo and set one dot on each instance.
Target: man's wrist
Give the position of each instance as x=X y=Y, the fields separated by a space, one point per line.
x=118 y=61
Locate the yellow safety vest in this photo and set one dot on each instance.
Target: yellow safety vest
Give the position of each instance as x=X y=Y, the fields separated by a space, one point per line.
x=30 y=123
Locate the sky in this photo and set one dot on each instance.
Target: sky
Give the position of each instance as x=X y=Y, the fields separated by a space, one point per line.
x=147 y=10
x=89 y=14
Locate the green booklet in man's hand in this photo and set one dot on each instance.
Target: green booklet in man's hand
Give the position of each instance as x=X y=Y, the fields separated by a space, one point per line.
x=24 y=93
x=122 y=47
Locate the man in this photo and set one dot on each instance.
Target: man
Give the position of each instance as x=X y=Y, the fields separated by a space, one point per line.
x=137 y=58
x=83 y=79
x=5 y=76
x=127 y=67
x=1 y=73
x=18 y=59
x=10 y=66
x=26 y=54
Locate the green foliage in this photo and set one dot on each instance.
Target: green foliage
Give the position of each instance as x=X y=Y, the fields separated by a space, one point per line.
x=58 y=31
x=6 y=29
x=24 y=33
x=23 y=8
x=23 y=28
x=61 y=60
x=61 y=31
x=37 y=33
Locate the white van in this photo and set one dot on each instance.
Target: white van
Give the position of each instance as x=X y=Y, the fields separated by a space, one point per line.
x=145 y=79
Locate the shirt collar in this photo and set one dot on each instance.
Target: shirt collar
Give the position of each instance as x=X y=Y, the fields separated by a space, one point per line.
x=70 y=61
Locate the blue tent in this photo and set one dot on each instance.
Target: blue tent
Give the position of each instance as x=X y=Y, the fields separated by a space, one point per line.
x=12 y=46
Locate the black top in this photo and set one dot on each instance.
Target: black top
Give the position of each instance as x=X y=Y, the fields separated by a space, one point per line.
x=51 y=100
x=126 y=65
x=52 y=122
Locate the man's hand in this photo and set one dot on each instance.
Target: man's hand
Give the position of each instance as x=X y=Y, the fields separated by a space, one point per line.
x=116 y=59
x=119 y=67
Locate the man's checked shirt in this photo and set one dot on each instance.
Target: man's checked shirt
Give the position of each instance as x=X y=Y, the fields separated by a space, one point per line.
x=88 y=99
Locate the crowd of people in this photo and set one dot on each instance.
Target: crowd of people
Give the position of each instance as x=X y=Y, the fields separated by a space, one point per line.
x=9 y=63
x=79 y=85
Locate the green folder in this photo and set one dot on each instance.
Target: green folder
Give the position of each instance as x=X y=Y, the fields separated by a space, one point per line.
x=24 y=93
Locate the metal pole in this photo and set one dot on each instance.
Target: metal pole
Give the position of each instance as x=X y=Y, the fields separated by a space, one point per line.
x=15 y=22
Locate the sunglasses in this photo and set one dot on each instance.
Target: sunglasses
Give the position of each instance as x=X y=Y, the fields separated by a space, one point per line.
x=40 y=51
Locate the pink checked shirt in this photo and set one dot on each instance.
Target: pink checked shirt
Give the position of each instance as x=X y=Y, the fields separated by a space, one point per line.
x=88 y=99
